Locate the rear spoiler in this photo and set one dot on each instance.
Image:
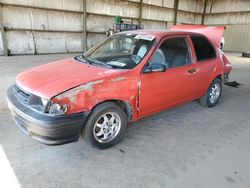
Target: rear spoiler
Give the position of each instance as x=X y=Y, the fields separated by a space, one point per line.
x=215 y=34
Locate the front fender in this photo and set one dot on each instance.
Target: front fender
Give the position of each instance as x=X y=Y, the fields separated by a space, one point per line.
x=86 y=96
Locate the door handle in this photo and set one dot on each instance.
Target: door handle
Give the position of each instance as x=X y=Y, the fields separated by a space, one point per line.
x=191 y=71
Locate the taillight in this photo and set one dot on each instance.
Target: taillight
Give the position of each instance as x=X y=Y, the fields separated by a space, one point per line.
x=227 y=64
x=225 y=60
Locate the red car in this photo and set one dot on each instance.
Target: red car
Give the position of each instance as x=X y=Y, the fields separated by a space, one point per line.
x=128 y=76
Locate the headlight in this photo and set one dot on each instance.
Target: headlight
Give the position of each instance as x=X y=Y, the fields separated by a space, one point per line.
x=57 y=109
x=44 y=102
x=53 y=108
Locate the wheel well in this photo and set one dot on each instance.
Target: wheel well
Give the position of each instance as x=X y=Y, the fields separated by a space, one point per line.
x=126 y=107
x=219 y=76
x=123 y=104
x=211 y=81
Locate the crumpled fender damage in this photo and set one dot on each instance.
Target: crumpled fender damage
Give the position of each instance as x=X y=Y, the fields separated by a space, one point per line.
x=86 y=96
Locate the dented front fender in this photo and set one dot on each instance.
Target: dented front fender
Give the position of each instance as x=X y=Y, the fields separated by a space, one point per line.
x=86 y=96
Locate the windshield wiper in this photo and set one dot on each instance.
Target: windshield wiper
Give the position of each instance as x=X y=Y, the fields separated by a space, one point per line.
x=84 y=59
x=94 y=61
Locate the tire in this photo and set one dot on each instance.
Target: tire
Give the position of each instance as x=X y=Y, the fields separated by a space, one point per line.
x=213 y=94
x=106 y=125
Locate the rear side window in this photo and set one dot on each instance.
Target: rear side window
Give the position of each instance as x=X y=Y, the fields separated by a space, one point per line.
x=203 y=49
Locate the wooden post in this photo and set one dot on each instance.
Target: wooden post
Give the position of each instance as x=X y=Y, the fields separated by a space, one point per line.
x=5 y=49
x=204 y=12
x=176 y=4
x=84 y=25
x=140 y=12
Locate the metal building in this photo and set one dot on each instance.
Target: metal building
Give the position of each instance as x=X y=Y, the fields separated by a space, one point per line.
x=72 y=26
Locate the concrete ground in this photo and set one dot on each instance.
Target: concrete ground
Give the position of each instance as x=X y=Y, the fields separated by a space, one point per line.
x=188 y=146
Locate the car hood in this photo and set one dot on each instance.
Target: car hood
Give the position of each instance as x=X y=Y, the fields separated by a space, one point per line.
x=54 y=78
x=215 y=34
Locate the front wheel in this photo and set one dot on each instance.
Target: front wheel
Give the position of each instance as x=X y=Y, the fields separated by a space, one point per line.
x=213 y=94
x=106 y=125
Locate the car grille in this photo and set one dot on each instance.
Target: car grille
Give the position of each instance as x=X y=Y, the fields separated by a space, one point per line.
x=21 y=95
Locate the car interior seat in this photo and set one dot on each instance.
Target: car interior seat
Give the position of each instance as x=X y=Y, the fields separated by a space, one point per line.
x=180 y=58
x=159 y=58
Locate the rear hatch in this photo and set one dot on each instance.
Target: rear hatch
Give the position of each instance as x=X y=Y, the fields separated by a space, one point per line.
x=215 y=34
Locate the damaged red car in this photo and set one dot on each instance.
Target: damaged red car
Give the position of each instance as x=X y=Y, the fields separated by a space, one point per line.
x=128 y=76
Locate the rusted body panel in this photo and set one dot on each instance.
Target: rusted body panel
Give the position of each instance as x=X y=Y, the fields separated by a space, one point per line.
x=86 y=96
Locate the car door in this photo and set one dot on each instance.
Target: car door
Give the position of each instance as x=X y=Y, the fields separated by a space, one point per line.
x=162 y=89
x=206 y=61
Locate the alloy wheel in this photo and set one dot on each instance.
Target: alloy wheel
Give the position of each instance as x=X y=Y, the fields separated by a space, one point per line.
x=107 y=127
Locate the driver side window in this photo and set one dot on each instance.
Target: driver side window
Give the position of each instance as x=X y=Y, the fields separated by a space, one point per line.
x=173 y=52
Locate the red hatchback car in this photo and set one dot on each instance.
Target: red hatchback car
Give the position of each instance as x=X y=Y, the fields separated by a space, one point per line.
x=128 y=76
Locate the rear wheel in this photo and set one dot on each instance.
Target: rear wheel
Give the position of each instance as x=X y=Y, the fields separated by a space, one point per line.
x=106 y=125
x=213 y=94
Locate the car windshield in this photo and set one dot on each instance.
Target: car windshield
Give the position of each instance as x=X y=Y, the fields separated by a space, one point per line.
x=122 y=51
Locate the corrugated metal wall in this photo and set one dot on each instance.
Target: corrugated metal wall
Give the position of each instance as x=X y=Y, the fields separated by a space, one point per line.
x=46 y=26
x=228 y=12
x=235 y=15
x=237 y=38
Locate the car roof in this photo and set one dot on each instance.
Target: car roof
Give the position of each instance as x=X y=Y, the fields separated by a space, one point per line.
x=159 y=33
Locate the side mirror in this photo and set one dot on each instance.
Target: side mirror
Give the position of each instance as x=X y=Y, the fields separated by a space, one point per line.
x=155 y=68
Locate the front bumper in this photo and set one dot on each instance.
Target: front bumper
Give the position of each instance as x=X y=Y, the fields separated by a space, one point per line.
x=45 y=128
